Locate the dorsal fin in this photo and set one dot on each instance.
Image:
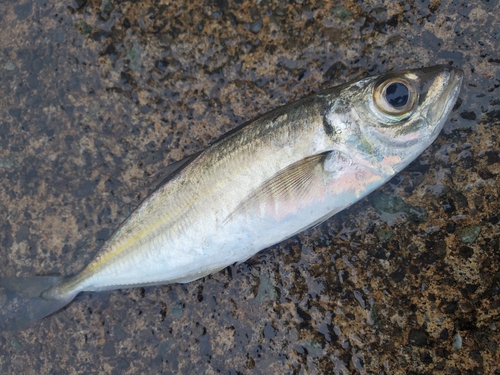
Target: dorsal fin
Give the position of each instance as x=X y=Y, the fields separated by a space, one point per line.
x=171 y=170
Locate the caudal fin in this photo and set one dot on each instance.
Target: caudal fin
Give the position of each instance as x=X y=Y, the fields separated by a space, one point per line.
x=21 y=303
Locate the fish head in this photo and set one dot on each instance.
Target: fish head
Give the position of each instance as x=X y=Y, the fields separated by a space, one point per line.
x=395 y=116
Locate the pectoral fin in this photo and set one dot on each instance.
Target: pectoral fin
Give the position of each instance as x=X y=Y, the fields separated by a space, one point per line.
x=289 y=185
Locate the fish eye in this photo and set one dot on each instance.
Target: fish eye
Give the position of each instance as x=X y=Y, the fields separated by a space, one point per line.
x=396 y=94
x=395 y=98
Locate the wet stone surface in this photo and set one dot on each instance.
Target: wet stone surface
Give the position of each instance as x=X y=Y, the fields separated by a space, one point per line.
x=98 y=95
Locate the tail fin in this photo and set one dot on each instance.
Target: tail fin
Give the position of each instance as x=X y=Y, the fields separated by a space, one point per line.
x=21 y=303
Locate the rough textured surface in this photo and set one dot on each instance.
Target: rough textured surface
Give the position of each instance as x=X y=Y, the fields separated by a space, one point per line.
x=98 y=95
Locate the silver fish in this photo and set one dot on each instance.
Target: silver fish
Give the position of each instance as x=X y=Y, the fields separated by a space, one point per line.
x=258 y=185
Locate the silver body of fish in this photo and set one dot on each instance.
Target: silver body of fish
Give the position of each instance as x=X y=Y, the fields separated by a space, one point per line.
x=260 y=184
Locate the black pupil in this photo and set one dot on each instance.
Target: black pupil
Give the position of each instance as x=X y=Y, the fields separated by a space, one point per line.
x=396 y=94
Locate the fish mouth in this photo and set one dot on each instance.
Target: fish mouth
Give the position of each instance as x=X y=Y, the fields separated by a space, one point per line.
x=450 y=93
x=454 y=83
x=448 y=97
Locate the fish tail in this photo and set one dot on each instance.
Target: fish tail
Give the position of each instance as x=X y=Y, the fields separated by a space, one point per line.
x=23 y=300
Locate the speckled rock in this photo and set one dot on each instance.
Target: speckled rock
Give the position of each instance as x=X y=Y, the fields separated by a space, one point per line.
x=96 y=96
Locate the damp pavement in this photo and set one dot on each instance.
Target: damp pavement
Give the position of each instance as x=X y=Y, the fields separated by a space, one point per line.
x=98 y=96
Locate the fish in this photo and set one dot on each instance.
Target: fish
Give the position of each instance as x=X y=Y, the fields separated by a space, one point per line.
x=263 y=182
